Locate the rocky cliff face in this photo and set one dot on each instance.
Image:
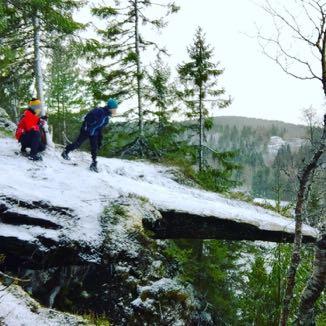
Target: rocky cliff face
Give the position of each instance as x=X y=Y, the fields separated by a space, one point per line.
x=96 y=242
x=126 y=277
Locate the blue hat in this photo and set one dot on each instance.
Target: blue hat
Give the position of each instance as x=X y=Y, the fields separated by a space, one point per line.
x=112 y=103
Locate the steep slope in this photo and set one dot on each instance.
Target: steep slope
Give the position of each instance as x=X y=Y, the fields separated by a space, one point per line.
x=88 y=242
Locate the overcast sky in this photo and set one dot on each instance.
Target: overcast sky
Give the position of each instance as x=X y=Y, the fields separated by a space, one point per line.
x=258 y=87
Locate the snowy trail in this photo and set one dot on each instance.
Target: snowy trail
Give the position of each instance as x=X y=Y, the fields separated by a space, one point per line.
x=65 y=185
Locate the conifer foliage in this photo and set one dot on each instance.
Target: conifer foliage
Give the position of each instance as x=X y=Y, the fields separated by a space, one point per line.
x=25 y=34
x=199 y=78
x=162 y=108
x=120 y=72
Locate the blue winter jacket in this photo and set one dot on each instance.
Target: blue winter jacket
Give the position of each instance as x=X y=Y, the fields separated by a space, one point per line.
x=95 y=120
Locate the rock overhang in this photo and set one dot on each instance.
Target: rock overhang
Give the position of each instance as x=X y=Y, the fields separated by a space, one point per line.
x=51 y=204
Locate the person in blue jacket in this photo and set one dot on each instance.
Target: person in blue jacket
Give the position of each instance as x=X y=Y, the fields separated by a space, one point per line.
x=92 y=126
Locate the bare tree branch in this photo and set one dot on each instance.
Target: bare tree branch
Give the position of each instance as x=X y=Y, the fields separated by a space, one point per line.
x=285 y=21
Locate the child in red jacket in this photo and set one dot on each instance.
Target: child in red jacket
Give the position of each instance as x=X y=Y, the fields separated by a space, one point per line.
x=29 y=133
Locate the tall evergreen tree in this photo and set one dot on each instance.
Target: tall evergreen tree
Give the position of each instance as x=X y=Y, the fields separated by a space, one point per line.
x=118 y=70
x=66 y=90
x=199 y=78
x=28 y=25
x=162 y=106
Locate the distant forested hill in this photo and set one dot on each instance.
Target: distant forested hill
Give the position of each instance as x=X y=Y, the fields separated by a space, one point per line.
x=291 y=130
x=265 y=150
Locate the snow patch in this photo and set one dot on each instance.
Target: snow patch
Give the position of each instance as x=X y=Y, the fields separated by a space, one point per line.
x=18 y=309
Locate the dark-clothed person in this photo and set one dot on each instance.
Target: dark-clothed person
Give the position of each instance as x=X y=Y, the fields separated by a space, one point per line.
x=91 y=129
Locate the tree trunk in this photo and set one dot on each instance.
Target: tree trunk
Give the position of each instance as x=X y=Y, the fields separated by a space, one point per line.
x=37 y=61
x=201 y=121
x=304 y=178
x=39 y=75
x=201 y=130
x=139 y=76
x=315 y=285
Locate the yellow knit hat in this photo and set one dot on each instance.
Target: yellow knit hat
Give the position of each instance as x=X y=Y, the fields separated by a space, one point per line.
x=35 y=104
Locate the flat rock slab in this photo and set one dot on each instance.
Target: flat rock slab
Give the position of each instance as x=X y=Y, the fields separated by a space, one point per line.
x=52 y=202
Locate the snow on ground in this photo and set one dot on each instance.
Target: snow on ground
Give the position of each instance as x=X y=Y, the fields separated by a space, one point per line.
x=18 y=309
x=271 y=202
x=86 y=193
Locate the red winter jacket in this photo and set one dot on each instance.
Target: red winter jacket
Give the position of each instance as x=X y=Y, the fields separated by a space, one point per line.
x=28 y=122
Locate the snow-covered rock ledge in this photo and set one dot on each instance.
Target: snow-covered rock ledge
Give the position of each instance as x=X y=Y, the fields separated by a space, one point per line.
x=56 y=201
x=81 y=238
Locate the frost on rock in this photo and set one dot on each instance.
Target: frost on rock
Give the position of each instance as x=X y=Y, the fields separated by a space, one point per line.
x=131 y=265
x=17 y=308
x=164 y=300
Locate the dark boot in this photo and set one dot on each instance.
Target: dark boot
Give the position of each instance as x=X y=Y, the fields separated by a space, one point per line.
x=93 y=167
x=35 y=157
x=23 y=152
x=65 y=155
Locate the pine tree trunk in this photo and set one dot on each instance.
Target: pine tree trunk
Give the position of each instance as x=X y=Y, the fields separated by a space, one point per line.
x=139 y=76
x=201 y=130
x=314 y=287
x=39 y=75
x=302 y=193
x=37 y=60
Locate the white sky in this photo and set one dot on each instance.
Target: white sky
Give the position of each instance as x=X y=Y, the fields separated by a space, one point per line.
x=259 y=88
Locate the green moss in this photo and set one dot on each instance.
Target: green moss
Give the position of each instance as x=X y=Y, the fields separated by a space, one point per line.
x=143 y=199
x=2 y=258
x=177 y=295
x=148 y=233
x=119 y=210
x=113 y=213
x=143 y=238
x=98 y=320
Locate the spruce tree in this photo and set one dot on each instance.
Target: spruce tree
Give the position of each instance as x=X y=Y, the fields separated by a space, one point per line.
x=119 y=71
x=199 y=78
x=25 y=34
x=67 y=89
x=16 y=74
x=162 y=109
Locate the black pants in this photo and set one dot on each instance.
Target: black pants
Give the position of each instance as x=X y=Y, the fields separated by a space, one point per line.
x=95 y=142
x=32 y=140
